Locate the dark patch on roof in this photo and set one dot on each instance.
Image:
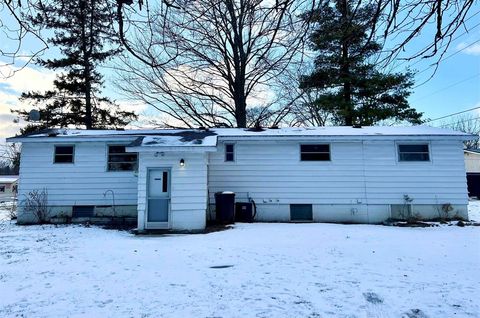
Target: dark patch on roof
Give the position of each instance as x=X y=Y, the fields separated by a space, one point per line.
x=190 y=135
x=185 y=136
x=136 y=143
x=46 y=131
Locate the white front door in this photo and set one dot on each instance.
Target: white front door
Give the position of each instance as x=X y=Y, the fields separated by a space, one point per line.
x=158 y=199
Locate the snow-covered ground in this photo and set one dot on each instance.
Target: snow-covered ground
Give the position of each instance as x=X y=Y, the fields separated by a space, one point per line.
x=267 y=270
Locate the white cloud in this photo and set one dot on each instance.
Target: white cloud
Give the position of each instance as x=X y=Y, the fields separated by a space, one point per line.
x=26 y=79
x=12 y=84
x=470 y=50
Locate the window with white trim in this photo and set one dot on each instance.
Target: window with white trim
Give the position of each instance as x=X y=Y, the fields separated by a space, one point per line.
x=317 y=152
x=120 y=160
x=413 y=152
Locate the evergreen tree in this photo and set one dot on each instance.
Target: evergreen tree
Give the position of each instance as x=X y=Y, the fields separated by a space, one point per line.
x=84 y=35
x=350 y=85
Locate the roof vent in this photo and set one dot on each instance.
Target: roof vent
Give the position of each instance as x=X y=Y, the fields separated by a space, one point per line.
x=357 y=126
x=52 y=133
x=120 y=129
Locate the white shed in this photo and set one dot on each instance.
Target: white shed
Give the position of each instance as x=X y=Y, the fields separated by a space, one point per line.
x=472 y=160
x=8 y=187
x=166 y=179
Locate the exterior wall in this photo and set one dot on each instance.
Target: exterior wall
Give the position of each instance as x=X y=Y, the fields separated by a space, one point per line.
x=82 y=183
x=8 y=194
x=472 y=162
x=188 y=197
x=359 y=184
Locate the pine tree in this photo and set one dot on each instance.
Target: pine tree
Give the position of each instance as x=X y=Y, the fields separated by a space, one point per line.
x=84 y=35
x=351 y=87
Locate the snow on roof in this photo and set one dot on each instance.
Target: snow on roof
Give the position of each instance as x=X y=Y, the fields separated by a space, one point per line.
x=342 y=131
x=474 y=151
x=207 y=137
x=8 y=179
x=187 y=138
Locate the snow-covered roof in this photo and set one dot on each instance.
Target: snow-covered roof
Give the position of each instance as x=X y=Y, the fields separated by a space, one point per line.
x=342 y=131
x=208 y=137
x=474 y=151
x=8 y=179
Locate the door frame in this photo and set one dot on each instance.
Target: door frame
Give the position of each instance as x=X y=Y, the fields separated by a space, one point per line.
x=158 y=225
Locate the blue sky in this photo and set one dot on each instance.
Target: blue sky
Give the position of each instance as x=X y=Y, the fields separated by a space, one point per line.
x=455 y=86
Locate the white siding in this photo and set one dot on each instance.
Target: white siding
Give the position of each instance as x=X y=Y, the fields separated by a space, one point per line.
x=188 y=202
x=472 y=162
x=441 y=180
x=360 y=174
x=80 y=183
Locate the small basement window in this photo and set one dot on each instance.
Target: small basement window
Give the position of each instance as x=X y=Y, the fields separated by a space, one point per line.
x=229 y=152
x=319 y=152
x=413 y=152
x=301 y=212
x=120 y=160
x=82 y=211
x=64 y=154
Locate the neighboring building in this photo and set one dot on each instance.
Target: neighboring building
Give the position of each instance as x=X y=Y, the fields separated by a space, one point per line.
x=8 y=187
x=472 y=167
x=167 y=178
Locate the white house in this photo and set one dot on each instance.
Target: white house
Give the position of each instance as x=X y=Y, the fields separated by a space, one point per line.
x=472 y=166
x=472 y=160
x=167 y=178
x=8 y=187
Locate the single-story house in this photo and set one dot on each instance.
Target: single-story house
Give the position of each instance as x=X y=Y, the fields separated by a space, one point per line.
x=472 y=167
x=8 y=187
x=167 y=179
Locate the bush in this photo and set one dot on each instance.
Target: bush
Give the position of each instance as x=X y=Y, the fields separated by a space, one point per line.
x=36 y=203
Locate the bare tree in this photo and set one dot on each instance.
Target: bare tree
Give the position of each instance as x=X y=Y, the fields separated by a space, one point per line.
x=10 y=157
x=405 y=20
x=469 y=124
x=202 y=62
x=14 y=33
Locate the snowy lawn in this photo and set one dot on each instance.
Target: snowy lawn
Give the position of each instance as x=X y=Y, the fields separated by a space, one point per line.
x=266 y=270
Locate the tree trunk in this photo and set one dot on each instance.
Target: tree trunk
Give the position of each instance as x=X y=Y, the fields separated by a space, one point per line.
x=88 y=99
x=345 y=67
x=86 y=66
x=241 y=111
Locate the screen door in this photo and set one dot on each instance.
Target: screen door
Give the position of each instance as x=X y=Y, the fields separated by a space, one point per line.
x=158 y=205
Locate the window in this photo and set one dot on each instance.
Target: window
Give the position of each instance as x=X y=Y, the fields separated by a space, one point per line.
x=229 y=152
x=315 y=152
x=82 y=211
x=120 y=160
x=418 y=152
x=64 y=154
x=2 y=188
x=301 y=212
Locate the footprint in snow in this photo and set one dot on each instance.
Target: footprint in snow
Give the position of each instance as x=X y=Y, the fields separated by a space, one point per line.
x=415 y=313
x=376 y=307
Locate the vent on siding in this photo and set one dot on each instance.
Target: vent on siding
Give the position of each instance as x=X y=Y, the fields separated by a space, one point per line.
x=82 y=211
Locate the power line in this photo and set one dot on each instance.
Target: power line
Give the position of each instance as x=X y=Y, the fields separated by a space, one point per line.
x=447 y=87
x=454 y=114
x=449 y=56
x=460 y=122
x=445 y=44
